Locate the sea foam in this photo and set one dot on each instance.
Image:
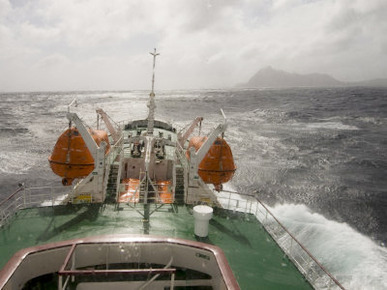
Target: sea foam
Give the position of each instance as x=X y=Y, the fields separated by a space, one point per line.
x=354 y=259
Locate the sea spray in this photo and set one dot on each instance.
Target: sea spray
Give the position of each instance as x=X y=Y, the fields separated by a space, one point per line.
x=354 y=259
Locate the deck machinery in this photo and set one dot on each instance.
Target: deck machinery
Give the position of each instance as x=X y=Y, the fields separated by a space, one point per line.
x=90 y=238
x=144 y=161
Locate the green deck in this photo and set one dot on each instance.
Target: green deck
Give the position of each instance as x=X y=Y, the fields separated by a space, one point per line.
x=256 y=260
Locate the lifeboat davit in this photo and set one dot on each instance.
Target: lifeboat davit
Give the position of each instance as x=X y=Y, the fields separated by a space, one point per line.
x=217 y=166
x=71 y=158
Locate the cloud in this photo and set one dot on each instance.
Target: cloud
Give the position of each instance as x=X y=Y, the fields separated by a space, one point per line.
x=203 y=43
x=57 y=61
x=5 y=7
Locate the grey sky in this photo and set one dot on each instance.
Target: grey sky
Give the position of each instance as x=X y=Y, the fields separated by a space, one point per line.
x=104 y=45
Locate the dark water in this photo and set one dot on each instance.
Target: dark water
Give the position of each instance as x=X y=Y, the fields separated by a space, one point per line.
x=325 y=149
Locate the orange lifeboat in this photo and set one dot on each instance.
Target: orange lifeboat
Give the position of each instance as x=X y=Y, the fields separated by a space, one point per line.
x=217 y=166
x=71 y=158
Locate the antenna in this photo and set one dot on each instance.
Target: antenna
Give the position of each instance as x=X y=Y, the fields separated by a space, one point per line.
x=153 y=73
x=151 y=104
x=149 y=145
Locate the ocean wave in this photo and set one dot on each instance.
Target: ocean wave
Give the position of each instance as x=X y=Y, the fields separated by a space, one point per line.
x=354 y=259
x=330 y=126
x=13 y=131
x=15 y=162
x=372 y=120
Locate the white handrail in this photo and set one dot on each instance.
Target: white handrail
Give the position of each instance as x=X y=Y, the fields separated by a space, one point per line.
x=28 y=198
x=307 y=264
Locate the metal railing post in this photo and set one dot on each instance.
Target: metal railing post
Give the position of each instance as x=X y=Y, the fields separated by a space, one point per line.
x=275 y=230
x=229 y=200
x=52 y=197
x=24 y=199
x=60 y=282
x=73 y=267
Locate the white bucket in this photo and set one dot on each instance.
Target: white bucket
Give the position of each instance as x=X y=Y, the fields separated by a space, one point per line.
x=202 y=215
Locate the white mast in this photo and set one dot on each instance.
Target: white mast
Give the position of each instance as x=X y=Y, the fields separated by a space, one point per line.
x=149 y=146
x=151 y=104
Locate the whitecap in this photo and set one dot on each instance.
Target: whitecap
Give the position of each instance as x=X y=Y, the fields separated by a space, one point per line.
x=354 y=259
x=330 y=126
x=15 y=162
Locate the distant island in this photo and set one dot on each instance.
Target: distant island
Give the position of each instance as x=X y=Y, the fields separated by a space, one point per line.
x=272 y=78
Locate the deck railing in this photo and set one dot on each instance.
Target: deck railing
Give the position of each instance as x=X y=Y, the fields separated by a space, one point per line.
x=29 y=197
x=68 y=269
x=308 y=265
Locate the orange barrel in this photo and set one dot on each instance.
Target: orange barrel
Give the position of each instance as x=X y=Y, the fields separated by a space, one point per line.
x=132 y=191
x=164 y=190
x=217 y=166
x=71 y=158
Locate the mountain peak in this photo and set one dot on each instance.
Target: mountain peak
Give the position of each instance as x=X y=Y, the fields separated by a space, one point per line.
x=267 y=68
x=270 y=77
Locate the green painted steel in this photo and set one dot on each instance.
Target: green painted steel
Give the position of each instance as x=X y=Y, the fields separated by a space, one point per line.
x=256 y=260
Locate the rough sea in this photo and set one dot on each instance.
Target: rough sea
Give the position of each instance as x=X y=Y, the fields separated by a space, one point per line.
x=317 y=157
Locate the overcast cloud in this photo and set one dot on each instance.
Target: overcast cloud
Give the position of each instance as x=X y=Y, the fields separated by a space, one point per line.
x=104 y=45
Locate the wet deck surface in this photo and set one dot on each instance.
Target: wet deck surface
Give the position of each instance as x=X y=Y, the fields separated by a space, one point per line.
x=255 y=259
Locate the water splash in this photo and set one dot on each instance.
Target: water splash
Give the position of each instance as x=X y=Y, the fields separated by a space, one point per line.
x=354 y=259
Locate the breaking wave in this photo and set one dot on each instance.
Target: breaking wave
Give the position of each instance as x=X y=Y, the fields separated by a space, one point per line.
x=15 y=162
x=354 y=259
x=331 y=125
